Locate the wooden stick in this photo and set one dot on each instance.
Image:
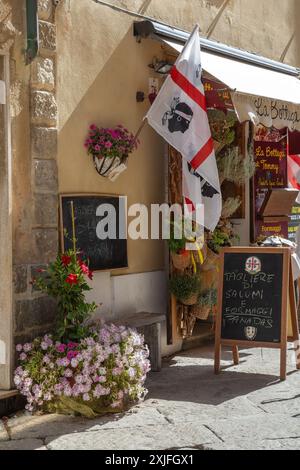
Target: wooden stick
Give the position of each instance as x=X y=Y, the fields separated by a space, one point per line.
x=286 y=282
x=236 y=356
x=140 y=129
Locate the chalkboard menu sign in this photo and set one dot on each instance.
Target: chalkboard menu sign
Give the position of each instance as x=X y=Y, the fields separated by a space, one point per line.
x=256 y=302
x=252 y=296
x=89 y=211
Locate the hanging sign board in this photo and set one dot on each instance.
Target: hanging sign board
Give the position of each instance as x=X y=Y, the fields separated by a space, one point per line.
x=270 y=164
x=89 y=211
x=266 y=111
x=255 y=299
x=2 y=92
x=217 y=95
x=270 y=158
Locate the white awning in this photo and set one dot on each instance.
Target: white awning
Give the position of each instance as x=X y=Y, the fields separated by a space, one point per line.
x=249 y=79
x=280 y=92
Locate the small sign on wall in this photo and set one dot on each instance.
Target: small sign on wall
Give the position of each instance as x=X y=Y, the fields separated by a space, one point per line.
x=2 y=92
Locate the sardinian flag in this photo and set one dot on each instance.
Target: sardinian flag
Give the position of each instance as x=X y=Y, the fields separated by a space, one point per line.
x=179 y=115
x=294 y=173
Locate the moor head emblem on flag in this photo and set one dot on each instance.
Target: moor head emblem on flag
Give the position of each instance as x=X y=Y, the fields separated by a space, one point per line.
x=179 y=117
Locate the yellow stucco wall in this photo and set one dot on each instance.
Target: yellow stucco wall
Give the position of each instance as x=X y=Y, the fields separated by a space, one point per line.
x=100 y=68
x=100 y=87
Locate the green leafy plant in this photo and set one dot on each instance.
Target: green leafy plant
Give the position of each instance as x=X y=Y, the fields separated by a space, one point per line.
x=184 y=285
x=218 y=240
x=65 y=280
x=208 y=298
x=181 y=233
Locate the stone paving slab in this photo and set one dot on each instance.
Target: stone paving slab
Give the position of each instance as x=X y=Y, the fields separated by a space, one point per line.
x=256 y=428
x=146 y=438
x=57 y=425
x=191 y=412
x=23 y=444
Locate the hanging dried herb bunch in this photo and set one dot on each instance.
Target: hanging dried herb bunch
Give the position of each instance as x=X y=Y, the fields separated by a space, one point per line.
x=235 y=167
x=222 y=128
x=230 y=206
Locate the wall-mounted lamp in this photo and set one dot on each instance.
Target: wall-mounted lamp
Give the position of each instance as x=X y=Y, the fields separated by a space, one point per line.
x=161 y=66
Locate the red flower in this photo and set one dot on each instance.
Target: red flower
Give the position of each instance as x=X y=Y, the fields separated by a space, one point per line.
x=66 y=260
x=84 y=268
x=72 y=354
x=72 y=279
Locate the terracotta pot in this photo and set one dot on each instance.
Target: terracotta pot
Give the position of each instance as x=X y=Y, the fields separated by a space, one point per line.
x=209 y=279
x=181 y=262
x=201 y=311
x=211 y=262
x=195 y=254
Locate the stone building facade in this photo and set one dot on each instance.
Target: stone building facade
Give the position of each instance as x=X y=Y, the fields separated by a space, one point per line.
x=88 y=69
x=31 y=185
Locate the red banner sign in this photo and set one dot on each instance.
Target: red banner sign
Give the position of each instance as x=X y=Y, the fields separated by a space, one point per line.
x=271 y=164
x=217 y=95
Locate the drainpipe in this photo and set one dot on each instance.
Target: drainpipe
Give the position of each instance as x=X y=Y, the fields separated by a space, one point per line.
x=32 y=30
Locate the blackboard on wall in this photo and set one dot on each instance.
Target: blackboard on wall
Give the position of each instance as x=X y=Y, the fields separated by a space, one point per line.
x=102 y=254
x=252 y=297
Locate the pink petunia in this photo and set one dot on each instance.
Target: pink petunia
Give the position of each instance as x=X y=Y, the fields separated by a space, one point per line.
x=61 y=348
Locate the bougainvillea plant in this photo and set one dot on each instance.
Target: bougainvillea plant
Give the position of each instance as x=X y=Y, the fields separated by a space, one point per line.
x=104 y=372
x=110 y=142
x=66 y=280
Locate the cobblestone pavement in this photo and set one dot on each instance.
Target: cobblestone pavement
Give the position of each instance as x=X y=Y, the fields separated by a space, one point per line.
x=188 y=407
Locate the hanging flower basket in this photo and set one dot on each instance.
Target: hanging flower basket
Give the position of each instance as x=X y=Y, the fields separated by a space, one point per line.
x=201 y=311
x=191 y=300
x=182 y=260
x=110 y=148
x=211 y=261
x=110 y=167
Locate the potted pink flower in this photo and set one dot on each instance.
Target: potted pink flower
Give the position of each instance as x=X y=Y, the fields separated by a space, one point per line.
x=110 y=148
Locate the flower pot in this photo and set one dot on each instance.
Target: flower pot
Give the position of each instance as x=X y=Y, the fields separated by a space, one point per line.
x=191 y=300
x=181 y=261
x=110 y=167
x=196 y=257
x=201 y=311
x=211 y=262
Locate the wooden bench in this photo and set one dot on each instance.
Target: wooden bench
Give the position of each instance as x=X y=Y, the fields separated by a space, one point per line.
x=149 y=325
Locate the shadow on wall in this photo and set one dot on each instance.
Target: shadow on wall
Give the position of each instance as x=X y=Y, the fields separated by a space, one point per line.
x=143 y=8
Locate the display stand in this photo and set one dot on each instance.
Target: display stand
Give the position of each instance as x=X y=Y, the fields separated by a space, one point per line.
x=231 y=327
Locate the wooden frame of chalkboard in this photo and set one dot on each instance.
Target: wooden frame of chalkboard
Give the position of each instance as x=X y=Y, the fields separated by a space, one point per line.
x=121 y=245
x=282 y=295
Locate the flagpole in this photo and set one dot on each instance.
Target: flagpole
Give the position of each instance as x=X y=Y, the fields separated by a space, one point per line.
x=140 y=129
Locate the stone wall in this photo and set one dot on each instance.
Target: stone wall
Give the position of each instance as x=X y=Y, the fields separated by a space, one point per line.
x=35 y=225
